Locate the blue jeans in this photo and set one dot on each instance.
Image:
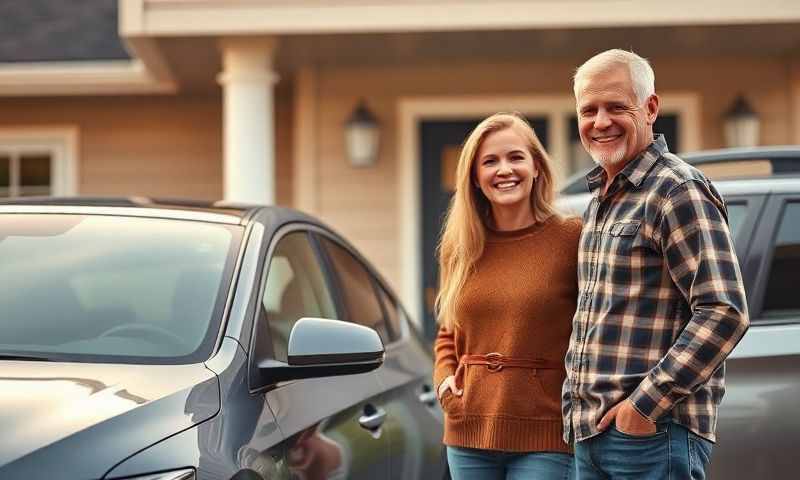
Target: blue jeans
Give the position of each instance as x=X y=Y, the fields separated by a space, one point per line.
x=673 y=452
x=472 y=464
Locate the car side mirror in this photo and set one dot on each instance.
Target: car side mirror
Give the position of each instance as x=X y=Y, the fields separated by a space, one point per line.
x=320 y=347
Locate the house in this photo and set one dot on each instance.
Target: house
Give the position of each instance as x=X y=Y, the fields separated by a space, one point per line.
x=248 y=100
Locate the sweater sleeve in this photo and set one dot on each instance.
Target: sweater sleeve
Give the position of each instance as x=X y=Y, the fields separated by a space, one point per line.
x=444 y=348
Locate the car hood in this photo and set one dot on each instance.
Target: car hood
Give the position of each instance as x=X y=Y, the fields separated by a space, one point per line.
x=76 y=421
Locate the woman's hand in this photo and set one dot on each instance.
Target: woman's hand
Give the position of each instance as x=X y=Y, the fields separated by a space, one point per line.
x=449 y=383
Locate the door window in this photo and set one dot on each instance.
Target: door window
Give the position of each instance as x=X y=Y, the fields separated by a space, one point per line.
x=395 y=316
x=295 y=288
x=781 y=299
x=736 y=215
x=358 y=290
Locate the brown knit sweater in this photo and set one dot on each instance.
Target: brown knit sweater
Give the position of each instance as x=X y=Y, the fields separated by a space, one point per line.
x=519 y=303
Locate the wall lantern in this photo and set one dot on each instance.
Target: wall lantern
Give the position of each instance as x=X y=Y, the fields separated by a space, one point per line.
x=362 y=133
x=742 y=124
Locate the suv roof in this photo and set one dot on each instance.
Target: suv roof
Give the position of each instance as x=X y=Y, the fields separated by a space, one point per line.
x=761 y=163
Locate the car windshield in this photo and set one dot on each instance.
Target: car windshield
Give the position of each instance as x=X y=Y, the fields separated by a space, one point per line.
x=99 y=288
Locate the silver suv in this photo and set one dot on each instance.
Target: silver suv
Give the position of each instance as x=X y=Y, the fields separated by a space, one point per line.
x=758 y=427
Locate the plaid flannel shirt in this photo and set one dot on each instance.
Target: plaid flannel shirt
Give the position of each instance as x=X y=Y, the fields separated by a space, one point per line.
x=661 y=302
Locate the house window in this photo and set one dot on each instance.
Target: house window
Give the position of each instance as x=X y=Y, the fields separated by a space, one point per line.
x=37 y=162
x=25 y=174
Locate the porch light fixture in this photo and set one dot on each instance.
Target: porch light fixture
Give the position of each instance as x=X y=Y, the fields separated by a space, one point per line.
x=362 y=133
x=742 y=124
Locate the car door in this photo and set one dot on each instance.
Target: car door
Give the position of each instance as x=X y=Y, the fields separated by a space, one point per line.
x=414 y=419
x=757 y=428
x=331 y=425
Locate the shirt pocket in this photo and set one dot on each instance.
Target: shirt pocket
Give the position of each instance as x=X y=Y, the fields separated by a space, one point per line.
x=624 y=238
x=626 y=229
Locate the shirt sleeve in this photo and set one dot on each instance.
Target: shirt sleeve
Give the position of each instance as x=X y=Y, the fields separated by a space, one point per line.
x=444 y=348
x=699 y=254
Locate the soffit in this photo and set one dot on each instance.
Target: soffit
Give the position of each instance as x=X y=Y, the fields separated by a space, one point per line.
x=195 y=62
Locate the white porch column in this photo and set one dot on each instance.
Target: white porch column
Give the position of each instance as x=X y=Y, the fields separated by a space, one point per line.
x=248 y=120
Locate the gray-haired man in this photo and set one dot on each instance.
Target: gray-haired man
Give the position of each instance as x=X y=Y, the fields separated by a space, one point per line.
x=661 y=302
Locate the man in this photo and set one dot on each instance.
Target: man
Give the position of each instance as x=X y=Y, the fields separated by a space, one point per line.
x=661 y=301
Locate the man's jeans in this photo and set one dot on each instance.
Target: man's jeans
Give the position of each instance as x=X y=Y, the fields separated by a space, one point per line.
x=473 y=464
x=672 y=453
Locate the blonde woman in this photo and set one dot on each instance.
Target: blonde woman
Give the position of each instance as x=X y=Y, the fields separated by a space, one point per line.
x=507 y=295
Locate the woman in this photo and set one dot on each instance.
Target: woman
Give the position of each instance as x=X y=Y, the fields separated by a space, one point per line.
x=507 y=295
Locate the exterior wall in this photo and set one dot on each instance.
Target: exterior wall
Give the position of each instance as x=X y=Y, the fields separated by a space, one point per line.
x=167 y=146
x=765 y=82
x=368 y=213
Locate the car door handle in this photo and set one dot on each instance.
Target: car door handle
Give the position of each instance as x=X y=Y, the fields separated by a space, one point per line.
x=373 y=419
x=428 y=397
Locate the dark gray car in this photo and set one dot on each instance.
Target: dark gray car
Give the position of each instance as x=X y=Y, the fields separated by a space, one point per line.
x=163 y=341
x=758 y=429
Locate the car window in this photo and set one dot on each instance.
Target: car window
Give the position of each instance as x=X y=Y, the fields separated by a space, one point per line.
x=109 y=288
x=295 y=288
x=737 y=212
x=781 y=299
x=358 y=289
x=395 y=316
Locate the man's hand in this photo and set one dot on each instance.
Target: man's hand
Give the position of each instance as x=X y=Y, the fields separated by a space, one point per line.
x=449 y=383
x=627 y=419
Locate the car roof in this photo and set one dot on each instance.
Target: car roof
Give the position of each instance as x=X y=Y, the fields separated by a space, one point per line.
x=743 y=153
x=183 y=209
x=785 y=161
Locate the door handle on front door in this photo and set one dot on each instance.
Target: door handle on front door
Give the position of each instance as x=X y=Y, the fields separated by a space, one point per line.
x=373 y=418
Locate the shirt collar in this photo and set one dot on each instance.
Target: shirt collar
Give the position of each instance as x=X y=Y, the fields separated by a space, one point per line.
x=636 y=170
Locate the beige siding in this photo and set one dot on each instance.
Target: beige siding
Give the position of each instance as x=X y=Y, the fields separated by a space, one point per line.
x=363 y=203
x=151 y=146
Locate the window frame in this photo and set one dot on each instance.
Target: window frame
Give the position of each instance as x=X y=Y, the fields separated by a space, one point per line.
x=762 y=253
x=61 y=143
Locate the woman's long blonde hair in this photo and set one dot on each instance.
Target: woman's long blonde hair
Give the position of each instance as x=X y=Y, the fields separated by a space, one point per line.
x=464 y=233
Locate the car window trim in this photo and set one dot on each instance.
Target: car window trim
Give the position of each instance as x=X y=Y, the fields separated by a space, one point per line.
x=748 y=230
x=762 y=254
x=331 y=278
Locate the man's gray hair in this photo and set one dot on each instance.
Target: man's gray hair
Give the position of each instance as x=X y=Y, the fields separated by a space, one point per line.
x=642 y=77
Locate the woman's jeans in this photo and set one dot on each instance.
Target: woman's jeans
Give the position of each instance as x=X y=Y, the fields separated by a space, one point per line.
x=472 y=464
x=673 y=452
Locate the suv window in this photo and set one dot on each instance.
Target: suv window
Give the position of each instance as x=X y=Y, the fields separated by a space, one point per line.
x=358 y=289
x=737 y=212
x=295 y=288
x=781 y=299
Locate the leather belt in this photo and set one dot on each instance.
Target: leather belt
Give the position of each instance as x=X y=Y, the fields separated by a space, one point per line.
x=496 y=362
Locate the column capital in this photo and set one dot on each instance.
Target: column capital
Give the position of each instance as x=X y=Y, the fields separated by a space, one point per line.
x=261 y=44
x=248 y=60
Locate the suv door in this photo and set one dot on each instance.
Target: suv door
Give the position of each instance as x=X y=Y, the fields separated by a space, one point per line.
x=414 y=419
x=329 y=424
x=758 y=429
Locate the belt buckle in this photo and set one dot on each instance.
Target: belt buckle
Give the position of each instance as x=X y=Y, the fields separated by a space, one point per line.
x=494 y=361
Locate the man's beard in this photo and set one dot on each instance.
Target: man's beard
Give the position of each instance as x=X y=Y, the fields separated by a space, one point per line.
x=608 y=159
